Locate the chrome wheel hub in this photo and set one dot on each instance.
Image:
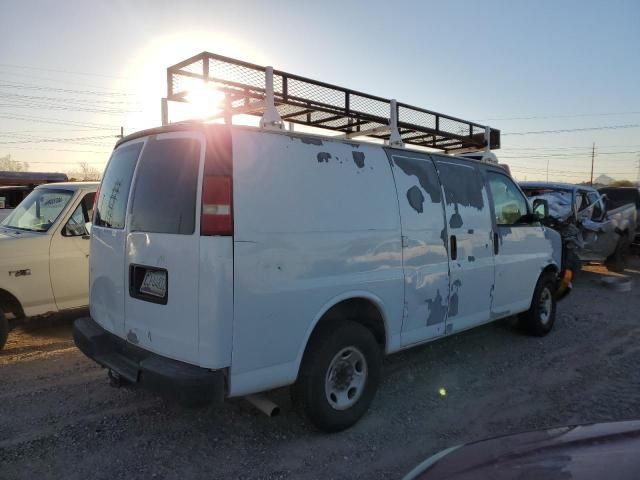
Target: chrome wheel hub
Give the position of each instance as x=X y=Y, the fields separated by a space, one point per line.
x=346 y=378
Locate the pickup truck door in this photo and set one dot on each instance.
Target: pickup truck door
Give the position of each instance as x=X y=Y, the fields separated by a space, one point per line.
x=599 y=231
x=470 y=243
x=69 y=256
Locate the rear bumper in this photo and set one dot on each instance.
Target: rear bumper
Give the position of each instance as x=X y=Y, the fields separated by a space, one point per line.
x=186 y=383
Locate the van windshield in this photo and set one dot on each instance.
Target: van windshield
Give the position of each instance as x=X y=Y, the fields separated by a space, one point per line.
x=39 y=210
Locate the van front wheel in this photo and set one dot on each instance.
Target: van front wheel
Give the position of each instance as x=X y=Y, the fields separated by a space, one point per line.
x=339 y=375
x=540 y=317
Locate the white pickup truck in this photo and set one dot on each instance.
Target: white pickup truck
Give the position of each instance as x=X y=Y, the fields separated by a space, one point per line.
x=44 y=253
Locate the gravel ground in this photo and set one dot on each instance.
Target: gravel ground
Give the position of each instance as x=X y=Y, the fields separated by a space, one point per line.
x=60 y=419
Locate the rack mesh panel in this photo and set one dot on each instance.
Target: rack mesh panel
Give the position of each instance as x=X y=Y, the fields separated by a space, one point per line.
x=310 y=102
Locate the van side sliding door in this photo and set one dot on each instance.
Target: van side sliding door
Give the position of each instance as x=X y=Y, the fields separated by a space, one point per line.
x=424 y=252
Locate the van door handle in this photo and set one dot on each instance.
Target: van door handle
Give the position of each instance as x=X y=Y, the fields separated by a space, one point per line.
x=496 y=244
x=454 y=247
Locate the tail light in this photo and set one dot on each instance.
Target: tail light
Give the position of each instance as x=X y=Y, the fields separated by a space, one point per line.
x=217 y=205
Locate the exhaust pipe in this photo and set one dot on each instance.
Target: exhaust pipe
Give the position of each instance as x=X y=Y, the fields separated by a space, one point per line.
x=263 y=404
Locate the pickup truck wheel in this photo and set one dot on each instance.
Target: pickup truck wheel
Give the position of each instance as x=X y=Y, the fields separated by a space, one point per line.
x=539 y=319
x=4 y=330
x=339 y=375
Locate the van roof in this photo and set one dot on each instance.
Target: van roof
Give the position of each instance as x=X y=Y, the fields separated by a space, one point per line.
x=208 y=127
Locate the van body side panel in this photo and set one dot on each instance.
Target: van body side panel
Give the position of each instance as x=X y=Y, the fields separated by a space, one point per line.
x=469 y=219
x=314 y=220
x=426 y=264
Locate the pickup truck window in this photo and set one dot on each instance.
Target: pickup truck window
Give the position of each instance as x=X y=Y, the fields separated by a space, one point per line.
x=114 y=190
x=82 y=214
x=39 y=210
x=508 y=202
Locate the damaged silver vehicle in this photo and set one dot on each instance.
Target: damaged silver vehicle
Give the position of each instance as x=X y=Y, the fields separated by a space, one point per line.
x=591 y=230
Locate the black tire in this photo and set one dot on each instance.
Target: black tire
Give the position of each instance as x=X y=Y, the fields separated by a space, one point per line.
x=4 y=330
x=310 y=394
x=539 y=319
x=615 y=262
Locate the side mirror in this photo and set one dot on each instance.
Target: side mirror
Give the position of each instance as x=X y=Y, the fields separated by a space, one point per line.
x=540 y=208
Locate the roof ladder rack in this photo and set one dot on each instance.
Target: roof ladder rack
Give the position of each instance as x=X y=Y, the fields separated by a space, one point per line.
x=279 y=97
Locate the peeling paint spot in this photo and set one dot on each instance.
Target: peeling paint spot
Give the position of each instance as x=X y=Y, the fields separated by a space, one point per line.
x=132 y=337
x=416 y=199
x=305 y=139
x=358 y=159
x=462 y=185
x=470 y=231
x=453 y=301
x=456 y=220
x=426 y=174
x=449 y=327
x=437 y=310
x=149 y=335
x=471 y=258
x=323 y=157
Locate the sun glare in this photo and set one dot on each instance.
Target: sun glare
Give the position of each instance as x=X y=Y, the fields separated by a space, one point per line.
x=205 y=100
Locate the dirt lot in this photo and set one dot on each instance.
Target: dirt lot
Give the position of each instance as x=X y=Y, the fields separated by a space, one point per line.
x=60 y=419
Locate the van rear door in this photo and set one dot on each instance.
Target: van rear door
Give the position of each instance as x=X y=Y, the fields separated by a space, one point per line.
x=106 y=271
x=162 y=247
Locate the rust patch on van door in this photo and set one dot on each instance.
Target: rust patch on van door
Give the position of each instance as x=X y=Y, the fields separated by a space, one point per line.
x=437 y=310
x=358 y=159
x=323 y=157
x=416 y=199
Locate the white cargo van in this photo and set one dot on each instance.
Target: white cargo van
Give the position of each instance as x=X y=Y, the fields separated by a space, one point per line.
x=231 y=260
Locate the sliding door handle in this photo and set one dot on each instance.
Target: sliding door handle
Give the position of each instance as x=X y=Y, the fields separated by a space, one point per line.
x=496 y=243
x=454 y=247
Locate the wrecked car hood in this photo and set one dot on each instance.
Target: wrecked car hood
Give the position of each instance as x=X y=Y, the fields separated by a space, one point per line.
x=596 y=451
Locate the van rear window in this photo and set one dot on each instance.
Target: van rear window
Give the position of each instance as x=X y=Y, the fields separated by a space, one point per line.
x=164 y=195
x=114 y=190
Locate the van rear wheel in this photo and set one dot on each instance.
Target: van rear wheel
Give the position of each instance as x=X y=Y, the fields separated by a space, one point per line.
x=4 y=329
x=339 y=375
x=539 y=319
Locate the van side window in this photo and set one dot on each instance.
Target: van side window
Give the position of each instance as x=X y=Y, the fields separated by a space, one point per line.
x=508 y=202
x=165 y=190
x=114 y=190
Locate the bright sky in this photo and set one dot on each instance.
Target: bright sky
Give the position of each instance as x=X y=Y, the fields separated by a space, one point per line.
x=73 y=72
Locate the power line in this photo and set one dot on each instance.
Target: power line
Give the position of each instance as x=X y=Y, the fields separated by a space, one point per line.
x=567 y=130
x=65 y=82
x=12 y=147
x=68 y=72
x=56 y=121
x=32 y=86
x=542 y=117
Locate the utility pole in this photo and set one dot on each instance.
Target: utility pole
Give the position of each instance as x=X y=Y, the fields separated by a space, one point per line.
x=547 y=169
x=593 y=156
